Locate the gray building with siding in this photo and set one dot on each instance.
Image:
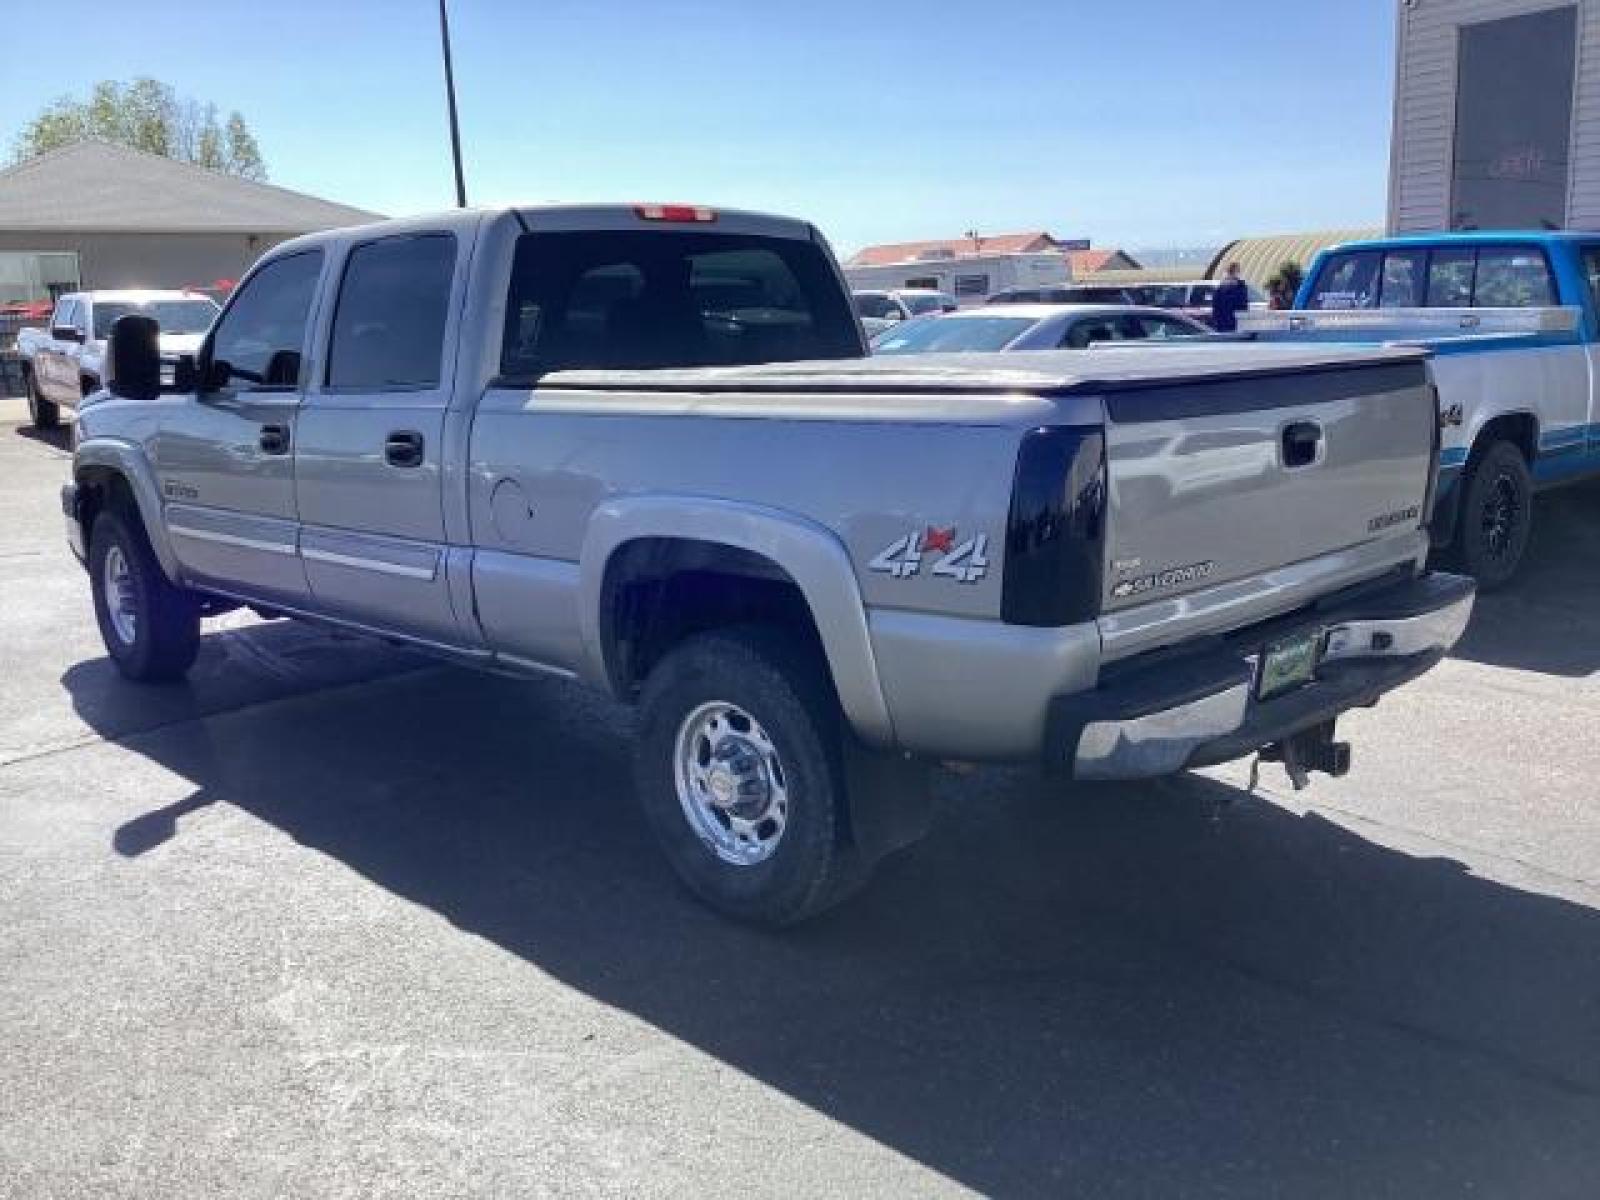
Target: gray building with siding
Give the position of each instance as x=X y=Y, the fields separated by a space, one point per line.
x=1496 y=115
x=139 y=220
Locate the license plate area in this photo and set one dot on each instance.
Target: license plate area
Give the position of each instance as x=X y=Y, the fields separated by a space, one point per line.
x=1287 y=664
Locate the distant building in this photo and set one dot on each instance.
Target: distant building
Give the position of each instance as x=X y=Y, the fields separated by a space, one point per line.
x=891 y=253
x=1087 y=262
x=1496 y=115
x=106 y=216
x=1260 y=257
x=970 y=268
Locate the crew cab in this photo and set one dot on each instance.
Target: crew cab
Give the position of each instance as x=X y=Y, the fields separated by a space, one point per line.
x=537 y=440
x=64 y=363
x=1512 y=322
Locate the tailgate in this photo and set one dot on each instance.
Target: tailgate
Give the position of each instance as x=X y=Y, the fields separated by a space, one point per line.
x=1229 y=481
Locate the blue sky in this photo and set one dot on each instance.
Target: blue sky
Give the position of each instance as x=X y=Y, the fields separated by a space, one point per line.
x=1143 y=123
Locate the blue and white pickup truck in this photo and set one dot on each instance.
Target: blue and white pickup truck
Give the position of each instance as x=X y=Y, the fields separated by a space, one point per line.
x=1513 y=322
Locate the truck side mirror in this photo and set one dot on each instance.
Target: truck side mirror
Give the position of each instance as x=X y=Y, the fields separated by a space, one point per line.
x=133 y=358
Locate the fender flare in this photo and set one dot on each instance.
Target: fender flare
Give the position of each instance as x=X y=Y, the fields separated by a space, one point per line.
x=129 y=461
x=809 y=553
x=1482 y=420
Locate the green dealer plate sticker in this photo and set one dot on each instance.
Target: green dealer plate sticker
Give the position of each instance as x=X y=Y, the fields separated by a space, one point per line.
x=1287 y=664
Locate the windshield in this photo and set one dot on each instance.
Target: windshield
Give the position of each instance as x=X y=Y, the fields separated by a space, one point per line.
x=954 y=334
x=174 y=316
x=918 y=305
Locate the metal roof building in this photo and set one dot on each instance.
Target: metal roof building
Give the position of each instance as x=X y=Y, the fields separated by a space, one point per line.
x=1259 y=257
x=140 y=220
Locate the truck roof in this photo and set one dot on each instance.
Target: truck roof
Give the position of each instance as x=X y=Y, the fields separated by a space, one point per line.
x=1053 y=371
x=572 y=218
x=1473 y=237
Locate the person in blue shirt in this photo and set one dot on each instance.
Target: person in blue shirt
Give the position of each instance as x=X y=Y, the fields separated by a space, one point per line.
x=1230 y=299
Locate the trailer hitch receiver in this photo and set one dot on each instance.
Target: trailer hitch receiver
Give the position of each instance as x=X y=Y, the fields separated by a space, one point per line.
x=1310 y=750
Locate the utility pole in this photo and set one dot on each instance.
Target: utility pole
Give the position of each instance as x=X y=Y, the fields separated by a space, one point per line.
x=450 y=95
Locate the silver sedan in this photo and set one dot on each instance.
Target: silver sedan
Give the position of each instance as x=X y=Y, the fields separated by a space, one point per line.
x=1034 y=327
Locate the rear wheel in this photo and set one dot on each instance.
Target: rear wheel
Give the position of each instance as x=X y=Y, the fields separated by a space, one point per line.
x=43 y=413
x=741 y=773
x=151 y=628
x=1496 y=516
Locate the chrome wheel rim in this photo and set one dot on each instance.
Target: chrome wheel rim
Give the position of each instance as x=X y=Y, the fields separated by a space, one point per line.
x=731 y=783
x=1501 y=512
x=121 y=607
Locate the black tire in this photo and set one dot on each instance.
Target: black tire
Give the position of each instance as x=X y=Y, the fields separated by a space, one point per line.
x=785 y=689
x=1496 y=517
x=166 y=619
x=44 y=414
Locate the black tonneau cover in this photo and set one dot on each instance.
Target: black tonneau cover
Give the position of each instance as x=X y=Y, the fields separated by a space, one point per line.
x=1044 y=372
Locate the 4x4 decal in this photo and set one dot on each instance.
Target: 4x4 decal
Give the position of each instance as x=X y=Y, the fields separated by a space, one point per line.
x=965 y=562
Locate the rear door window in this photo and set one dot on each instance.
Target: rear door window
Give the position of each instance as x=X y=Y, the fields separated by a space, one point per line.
x=1165 y=327
x=636 y=299
x=1348 y=280
x=1512 y=277
x=1086 y=331
x=1404 y=279
x=1450 y=278
x=388 y=327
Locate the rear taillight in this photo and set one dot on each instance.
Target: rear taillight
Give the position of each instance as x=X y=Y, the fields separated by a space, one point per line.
x=1435 y=451
x=681 y=213
x=1055 y=538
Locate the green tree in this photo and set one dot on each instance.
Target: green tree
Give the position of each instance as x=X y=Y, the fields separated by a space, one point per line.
x=1284 y=283
x=240 y=152
x=147 y=115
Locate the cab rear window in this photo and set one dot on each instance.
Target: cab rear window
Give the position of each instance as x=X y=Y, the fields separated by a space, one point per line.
x=1447 y=276
x=662 y=299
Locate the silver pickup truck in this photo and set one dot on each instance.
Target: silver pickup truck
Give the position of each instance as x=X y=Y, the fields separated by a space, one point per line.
x=536 y=440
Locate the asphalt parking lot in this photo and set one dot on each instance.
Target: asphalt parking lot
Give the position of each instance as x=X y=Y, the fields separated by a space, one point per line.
x=332 y=920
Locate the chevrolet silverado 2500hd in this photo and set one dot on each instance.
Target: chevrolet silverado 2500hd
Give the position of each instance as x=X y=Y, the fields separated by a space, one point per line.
x=535 y=440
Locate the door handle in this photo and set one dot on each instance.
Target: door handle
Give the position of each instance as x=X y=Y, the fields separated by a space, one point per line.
x=1300 y=441
x=403 y=448
x=274 y=439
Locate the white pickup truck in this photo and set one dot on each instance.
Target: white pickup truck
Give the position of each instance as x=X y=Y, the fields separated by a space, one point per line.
x=1512 y=324
x=64 y=362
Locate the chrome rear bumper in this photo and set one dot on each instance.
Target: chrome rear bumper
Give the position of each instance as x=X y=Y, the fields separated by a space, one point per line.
x=1172 y=713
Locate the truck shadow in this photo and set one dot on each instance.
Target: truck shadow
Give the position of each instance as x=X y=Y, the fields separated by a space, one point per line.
x=1155 y=990
x=1546 y=619
x=59 y=438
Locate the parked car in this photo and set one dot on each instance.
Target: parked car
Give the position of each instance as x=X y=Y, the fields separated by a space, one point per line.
x=1065 y=293
x=64 y=362
x=1512 y=321
x=1192 y=299
x=1034 y=327
x=521 y=439
x=879 y=310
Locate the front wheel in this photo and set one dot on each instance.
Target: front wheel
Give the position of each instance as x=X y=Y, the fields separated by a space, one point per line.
x=151 y=627
x=43 y=413
x=1496 y=516
x=740 y=771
